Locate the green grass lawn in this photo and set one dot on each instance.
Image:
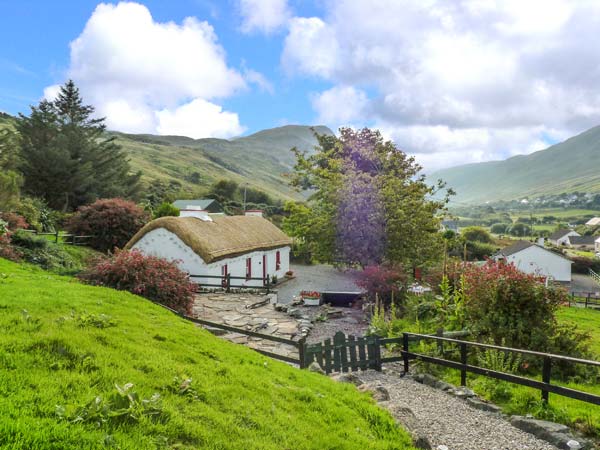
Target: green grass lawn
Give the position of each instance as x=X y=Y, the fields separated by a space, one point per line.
x=66 y=345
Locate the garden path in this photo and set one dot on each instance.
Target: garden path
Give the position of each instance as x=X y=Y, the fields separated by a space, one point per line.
x=447 y=420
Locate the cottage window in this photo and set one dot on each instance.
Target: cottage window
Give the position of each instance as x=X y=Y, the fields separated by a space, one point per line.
x=248 y=268
x=277 y=260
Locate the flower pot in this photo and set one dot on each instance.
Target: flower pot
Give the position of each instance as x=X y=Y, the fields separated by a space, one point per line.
x=312 y=301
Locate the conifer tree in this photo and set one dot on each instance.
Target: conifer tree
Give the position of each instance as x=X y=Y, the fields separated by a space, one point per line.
x=67 y=157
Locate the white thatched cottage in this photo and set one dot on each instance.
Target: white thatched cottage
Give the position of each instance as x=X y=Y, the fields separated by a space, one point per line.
x=243 y=246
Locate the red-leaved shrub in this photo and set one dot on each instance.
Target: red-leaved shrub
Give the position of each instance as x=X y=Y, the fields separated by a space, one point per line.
x=8 y=251
x=14 y=220
x=111 y=223
x=510 y=307
x=149 y=276
x=381 y=281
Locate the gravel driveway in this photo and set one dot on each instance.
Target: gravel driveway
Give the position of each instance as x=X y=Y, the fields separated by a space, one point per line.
x=317 y=277
x=449 y=421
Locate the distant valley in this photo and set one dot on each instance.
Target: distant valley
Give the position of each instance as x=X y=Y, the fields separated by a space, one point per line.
x=570 y=166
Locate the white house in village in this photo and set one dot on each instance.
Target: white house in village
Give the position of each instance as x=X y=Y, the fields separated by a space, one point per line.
x=594 y=221
x=246 y=246
x=534 y=259
x=561 y=237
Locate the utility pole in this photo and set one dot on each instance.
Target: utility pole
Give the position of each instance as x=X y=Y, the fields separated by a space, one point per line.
x=245 y=187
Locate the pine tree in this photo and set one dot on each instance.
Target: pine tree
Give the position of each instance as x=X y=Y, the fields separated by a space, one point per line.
x=68 y=160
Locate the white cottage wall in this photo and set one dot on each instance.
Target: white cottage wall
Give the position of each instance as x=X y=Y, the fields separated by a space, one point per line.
x=164 y=244
x=536 y=260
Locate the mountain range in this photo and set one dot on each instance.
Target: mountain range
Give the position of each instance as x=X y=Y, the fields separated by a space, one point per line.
x=261 y=160
x=570 y=166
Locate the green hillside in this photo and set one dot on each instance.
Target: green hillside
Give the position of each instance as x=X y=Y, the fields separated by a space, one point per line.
x=66 y=347
x=566 y=167
x=261 y=159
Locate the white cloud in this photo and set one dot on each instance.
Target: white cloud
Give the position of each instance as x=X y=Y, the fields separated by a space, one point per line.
x=51 y=92
x=265 y=16
x=454 y=81
x=340 y=105
x=197 y=119
x=136 y=70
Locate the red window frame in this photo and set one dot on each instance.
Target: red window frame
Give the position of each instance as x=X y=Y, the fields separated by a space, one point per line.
x=248 y=268
x=224 y=272
x=277 y=260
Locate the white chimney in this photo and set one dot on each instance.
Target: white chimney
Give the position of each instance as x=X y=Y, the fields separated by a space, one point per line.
x=541 y=242
x=201 y=214
x=254 y=212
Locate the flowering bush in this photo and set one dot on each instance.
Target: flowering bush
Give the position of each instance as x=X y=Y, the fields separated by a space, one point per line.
x=149 y=276
x=511 y=307
x=13 y=220
x=381 y=281
x=110 y=222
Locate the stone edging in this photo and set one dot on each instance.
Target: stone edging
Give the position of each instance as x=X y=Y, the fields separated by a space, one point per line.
x=556 y=434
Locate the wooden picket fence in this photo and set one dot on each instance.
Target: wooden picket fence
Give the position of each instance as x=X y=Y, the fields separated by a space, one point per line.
x=345 y=353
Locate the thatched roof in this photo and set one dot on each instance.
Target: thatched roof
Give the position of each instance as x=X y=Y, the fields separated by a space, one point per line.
x=224 y=237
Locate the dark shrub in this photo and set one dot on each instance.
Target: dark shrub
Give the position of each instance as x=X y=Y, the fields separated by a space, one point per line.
x=479 y=250
x=28 y=240
x=381 y=281
x=7 y=251
x=149 y=276
x=14 y=220
x=166 y=209
x=110 y=222
x=476 y=234
x=499 y=228
x=581 y=264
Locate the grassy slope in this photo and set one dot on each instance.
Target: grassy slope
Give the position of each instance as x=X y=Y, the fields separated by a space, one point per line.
x=246 y=401
x=566 y=167
x=261 y=159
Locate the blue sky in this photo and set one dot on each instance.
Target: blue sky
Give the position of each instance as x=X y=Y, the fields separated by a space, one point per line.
x=450 y=81
x=39 y=33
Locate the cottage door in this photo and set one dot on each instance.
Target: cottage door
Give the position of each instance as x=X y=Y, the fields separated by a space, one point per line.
x=264 y=264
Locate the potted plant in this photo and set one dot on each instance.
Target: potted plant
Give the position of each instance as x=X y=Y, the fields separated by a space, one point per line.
x=311 y=298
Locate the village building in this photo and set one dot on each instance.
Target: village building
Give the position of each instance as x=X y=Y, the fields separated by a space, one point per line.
x=582 y=242
x=246 y=246
x=594 y=221
x=561 y=237
x=531 y=258
x=210 y=205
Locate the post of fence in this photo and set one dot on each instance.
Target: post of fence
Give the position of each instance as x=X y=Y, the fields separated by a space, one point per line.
x=228 y=283
x=463 y=361
x=73 y=239
x=405 y=351
x=302 y=352
x=587 y=299
x=440 y=344
x=377 y=354
x=56 y=240
x=546 y=376
x=268 y=283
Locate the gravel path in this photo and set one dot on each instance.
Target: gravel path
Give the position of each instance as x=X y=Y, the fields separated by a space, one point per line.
x=447 y=420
